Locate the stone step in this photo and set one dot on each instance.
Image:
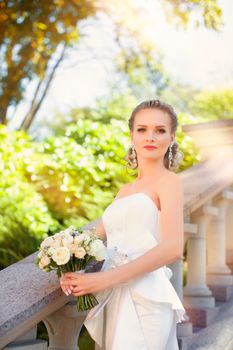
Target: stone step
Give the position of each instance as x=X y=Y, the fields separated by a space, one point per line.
x=221 y=292
x=217 y=335
x=35 y=344
x=201 y=317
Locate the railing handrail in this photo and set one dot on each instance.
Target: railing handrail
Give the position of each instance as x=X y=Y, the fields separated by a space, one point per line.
x=205 y=180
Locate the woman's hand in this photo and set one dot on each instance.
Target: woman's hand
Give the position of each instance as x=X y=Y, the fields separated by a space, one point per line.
x=84 y=283
x=65 y=287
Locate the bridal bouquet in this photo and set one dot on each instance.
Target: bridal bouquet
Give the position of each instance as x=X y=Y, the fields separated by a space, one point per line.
x=70 y=251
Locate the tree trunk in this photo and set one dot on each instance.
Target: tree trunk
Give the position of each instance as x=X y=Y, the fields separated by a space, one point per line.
x=36 y=102
x=3 y=112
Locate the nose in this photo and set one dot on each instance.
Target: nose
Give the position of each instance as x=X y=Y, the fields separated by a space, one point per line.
x=150 y=136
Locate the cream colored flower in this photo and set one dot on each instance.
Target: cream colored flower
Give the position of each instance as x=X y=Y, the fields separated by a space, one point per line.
x=61 y=255
x=40 y=254
x=98 y=250
x=67 y=241
x=79 y=252
x=56 y=242
x=81 y=238
x=45 y=260
x=72 y=248
x=50 y=251
x=41 y=266
x=47 y=242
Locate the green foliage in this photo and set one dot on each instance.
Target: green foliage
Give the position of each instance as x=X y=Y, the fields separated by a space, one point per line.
x=190 y=151
x=49 y=185
x=24 y=215
x=206 y=12
x=82 y=168
x=213 y=105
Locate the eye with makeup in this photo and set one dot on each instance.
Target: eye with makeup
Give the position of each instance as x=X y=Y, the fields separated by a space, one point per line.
x=162 y=131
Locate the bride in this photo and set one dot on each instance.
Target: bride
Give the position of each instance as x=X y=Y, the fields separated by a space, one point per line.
x=138 y=306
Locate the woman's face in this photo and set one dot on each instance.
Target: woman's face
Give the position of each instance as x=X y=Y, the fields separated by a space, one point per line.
x=152 y=127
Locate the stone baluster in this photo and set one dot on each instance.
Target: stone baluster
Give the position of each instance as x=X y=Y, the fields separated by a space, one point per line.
x=64 y=326
x=218 y=273
x=185 y=328
x=196 y=292
x=229 y=236
x=27 y=341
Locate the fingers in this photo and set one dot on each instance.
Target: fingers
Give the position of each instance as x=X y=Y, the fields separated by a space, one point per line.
x=66 y=287
x=68 y=282
x=76 y=289
x=80 y=293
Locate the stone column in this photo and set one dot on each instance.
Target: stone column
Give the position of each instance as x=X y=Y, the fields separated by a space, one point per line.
x=217 y=270
x=196 y=292
x=229 y=237
x=64 y=326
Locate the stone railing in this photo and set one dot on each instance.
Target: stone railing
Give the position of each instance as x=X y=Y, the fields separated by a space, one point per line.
x=29 y=296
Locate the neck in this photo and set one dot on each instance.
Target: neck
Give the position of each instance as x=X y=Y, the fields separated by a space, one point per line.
x=150 y=169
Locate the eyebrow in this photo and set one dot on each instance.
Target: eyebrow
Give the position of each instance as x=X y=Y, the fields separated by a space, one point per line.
x=158 y=126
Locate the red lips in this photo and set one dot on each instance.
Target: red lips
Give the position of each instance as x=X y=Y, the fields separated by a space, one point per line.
x=150 y=147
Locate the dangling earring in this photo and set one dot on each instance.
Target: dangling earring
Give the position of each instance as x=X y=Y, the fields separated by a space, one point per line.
x=170 y=154
x=134 y=156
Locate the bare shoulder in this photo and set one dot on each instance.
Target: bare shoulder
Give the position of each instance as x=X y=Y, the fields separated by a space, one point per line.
x=170 y=183
x=170 y=177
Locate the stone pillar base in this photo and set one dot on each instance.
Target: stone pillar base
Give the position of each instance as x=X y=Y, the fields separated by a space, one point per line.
x=184 y=329
x=36 y=344
x=222 y=293
x=219 y=279
x=196 y=291
x=229 y=256
x=225 y=270
x=202 y=317
x=191 y=301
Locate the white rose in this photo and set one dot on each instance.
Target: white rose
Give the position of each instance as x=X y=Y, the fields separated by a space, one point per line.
x=41 y=266
x=72 y=248
x=56 y=242
x=45 y=260
x=47 y=242
x=69 y=230
x=57 y=235
x=67 y=241
x=79 y=252
x=50 y=251
x=81 y=238
x=98 y=250
x=61 y=255
x=40 y=254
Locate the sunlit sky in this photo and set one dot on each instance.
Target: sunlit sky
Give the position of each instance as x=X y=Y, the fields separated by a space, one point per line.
x=200 y=57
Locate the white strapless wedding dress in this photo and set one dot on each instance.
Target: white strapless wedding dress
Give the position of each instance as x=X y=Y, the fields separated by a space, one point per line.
x=142 y=313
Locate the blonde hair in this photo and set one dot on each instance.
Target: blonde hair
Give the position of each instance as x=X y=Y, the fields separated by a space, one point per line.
x=177 y=155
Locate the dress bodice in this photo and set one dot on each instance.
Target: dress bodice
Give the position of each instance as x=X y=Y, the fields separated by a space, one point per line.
x=131 y=224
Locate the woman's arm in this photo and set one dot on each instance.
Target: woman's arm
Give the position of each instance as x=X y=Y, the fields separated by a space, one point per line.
x=100 y=231
x=170 y=248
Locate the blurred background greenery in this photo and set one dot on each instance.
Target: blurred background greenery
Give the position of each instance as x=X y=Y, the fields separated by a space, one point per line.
x=71 y=171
